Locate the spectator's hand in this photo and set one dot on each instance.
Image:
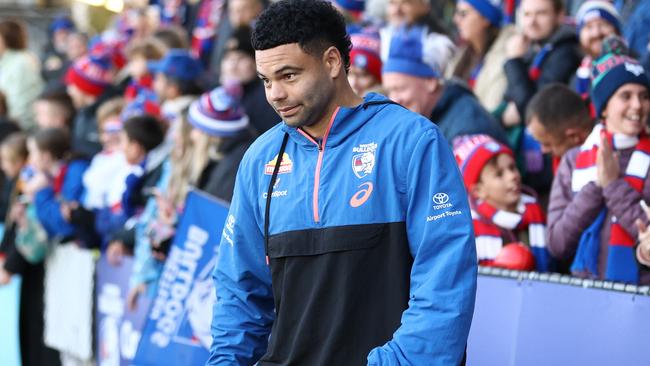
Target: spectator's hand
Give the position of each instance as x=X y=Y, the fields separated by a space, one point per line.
x=606 y=163
x=17 y=212
x=511 y=116
x=114 y=253
x=517 y=46
x=36 y=183
x=67 y=208
x=134 y=294
x=5 y=277
x=643 y=249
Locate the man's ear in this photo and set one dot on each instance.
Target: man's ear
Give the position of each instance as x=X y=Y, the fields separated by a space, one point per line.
x=432 y=85
x=333 y=61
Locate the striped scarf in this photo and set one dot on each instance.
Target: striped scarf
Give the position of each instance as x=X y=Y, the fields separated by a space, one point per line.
x=621 y=262
x=490 y=223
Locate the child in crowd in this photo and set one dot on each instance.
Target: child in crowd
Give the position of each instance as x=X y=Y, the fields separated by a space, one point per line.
x=598 y=186
x=365 y=62
x=105 y=176
x=139 y=137
x=176 y=81
x=503 y=215
x=54 y=109
x=139 y=54
x=56 y=187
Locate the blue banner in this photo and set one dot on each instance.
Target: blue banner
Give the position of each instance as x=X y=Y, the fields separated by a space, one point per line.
x=118 y=329
x=177 y=329
x=536 y=323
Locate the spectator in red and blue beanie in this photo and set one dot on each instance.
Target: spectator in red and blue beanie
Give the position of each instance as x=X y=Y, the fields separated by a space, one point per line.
x=596 y=20
x=89 y=83
x=411 y=77
x=176 y=81
x=365 y=62
x=502 y=214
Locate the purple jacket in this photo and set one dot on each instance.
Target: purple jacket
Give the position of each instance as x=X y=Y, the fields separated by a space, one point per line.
x=570 y=214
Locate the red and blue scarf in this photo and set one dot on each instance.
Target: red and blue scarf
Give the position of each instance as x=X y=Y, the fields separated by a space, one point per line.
x=621 y=260
x=492 y=224
x=535 y=69
x=205 y=30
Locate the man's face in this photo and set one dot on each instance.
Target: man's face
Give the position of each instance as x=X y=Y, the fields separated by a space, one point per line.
x=551 y=143
x=592 y=35
x=297 y=85
x=410 y=91
x=539 y=19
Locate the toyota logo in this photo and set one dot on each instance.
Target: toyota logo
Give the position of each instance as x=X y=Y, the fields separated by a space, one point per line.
x=440 y=198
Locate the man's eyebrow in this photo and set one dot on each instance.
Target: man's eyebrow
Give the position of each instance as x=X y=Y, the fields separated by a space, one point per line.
x=282 y=70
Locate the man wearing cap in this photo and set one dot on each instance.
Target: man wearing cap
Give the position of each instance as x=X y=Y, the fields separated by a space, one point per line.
x=411 y=78
x=349 y=237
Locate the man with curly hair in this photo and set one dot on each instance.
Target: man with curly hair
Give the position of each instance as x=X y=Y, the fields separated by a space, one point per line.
x=349 y=238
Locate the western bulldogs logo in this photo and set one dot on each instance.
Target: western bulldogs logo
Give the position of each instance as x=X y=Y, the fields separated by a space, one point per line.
x=364 y=161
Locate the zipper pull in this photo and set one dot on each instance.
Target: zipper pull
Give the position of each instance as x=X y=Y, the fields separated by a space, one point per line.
x=320 y=144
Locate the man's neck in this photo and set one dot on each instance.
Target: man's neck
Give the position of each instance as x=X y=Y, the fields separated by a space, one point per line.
x=344 y=98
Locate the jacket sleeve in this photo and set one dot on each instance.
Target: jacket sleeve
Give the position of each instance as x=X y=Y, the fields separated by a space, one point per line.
x=435 y=326
x=569 y=215
x=244 y=310
x=623 y=202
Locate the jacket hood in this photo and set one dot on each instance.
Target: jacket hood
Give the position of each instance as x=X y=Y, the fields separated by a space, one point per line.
x=454 y=89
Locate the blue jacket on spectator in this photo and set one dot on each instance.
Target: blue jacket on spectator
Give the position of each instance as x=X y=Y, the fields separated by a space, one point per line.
x=48 y=201
x=637 y=28
x=458 y=112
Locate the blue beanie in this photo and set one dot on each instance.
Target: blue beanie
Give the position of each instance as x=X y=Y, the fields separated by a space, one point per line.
x=610 y=72
x=408 y=54
x=598 y=9
x=489 y=9
x=178 y=64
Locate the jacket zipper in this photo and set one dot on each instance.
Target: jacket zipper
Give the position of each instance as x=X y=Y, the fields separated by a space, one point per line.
x=321 y=152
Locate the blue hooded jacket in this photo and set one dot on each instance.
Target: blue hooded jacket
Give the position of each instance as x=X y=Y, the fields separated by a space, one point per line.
x=371 y=255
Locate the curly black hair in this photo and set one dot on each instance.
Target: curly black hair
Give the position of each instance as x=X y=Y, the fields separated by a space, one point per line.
x=314 y=24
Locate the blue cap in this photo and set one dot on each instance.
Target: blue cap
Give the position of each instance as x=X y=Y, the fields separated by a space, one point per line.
x=177 y=64
x=62 y=22
x=489 y=9
x=409 y=54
